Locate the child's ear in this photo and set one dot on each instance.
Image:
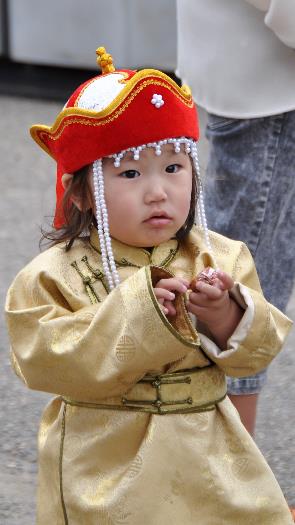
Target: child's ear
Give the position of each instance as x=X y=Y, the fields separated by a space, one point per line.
x=66 y=182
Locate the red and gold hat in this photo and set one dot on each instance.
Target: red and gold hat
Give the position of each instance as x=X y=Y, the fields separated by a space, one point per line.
x=114 y=111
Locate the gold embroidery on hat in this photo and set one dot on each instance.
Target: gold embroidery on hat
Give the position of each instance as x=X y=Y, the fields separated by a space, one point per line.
x=113 y=111
x=186 y=90
x=92 y=118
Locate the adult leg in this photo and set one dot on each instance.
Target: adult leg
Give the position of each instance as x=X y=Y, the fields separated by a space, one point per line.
x=250 y=195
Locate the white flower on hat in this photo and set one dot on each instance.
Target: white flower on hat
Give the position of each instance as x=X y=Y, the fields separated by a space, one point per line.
x=157 y=100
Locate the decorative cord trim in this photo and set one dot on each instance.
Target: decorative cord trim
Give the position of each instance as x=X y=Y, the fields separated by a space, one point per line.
x=123 y=263
x=96 y=272
x=169 y=258
x=62 y=439
x=89 y=280
x=206 y=407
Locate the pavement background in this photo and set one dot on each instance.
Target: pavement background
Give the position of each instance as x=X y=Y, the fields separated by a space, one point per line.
x=27 y=196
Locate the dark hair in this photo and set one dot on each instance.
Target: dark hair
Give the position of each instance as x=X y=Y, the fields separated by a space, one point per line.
x=186 y=228
x=77 y=222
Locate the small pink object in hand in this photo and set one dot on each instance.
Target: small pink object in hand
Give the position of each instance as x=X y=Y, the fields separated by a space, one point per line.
x=208 y=276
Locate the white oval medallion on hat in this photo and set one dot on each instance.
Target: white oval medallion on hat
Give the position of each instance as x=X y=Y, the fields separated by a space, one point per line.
x=99 y=93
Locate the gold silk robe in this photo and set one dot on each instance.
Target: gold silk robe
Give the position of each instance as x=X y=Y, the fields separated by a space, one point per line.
x=109 y=454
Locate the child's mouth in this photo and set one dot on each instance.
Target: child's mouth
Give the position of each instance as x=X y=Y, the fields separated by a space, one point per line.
x=158 y=219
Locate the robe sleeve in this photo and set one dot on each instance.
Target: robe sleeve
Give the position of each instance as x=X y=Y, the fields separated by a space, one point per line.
x=98 y=351
x=261 y=332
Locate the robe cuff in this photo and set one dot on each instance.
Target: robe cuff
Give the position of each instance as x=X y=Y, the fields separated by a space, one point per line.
x=181 y=323
x=239 y=358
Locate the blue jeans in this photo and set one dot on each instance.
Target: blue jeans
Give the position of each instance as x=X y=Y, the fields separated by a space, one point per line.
x=250 y=196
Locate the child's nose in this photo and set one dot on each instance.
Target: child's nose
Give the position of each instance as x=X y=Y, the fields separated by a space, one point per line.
x=155 y=193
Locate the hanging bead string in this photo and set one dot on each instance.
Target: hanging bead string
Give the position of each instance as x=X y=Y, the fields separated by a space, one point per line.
x=97 y=170
x=105 y=224
x=157 y=147
x=108 y=261
x=200 y=205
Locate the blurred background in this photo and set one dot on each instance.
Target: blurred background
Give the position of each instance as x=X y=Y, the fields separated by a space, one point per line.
x=46 y=50
x=39 y=40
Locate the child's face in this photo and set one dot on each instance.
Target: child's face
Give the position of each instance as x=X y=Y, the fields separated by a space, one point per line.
x=148 y=200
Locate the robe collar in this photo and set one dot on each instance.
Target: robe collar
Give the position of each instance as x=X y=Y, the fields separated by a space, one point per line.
x=126 y=255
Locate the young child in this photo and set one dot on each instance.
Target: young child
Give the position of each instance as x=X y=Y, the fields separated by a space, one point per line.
x=108 y=318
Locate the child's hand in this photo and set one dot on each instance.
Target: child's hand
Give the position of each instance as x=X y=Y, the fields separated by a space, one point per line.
x=213 y=306
x=210 y=302
x=164 y=292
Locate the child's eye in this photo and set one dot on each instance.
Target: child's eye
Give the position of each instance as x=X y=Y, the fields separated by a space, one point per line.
x=173 y=168
x=130 y=174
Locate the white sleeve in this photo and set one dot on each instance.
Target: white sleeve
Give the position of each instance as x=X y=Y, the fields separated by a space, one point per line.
x=279 y=17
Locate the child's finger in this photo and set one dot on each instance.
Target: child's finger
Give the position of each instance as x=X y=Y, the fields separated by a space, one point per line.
x=170 y=307
x=226 y=280
x=172 y=284
x=211 y=292
x=184 y=281
x=199 y=299
x=162 y=294
x=194 y=308
x=164 y=309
